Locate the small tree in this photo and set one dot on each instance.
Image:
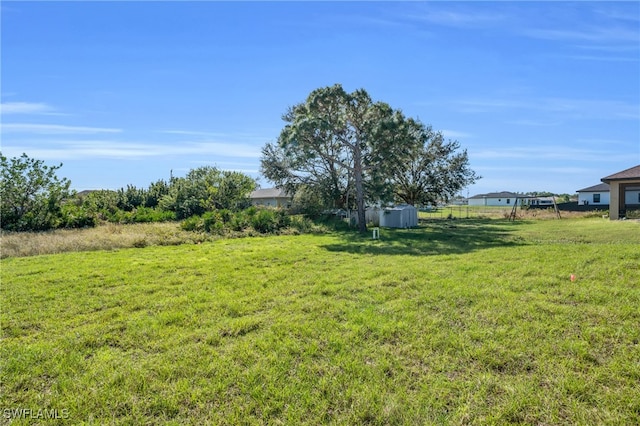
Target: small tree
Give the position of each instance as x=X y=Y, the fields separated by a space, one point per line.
x=307 y=202
x=155 y=192
x=205 y=189
x=233 y=191
x=31 y=194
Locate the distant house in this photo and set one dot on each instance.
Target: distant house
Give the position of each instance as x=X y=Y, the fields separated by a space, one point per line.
x=271 y=197
x=541 y=201
x=596 y=195
x=624 y=190
x=495 y=199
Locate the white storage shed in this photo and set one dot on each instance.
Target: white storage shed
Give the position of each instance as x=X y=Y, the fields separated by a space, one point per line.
x=404 y=216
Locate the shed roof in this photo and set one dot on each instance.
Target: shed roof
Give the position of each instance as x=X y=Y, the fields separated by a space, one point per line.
x=401 y=207
x=601 y=187
x=269 y=193
x=632 y=173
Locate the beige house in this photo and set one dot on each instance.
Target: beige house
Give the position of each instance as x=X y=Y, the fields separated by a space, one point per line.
x=618 y=184
x=271 y=197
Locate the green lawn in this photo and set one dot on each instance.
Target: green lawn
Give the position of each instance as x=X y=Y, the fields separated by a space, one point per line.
x=457 y=322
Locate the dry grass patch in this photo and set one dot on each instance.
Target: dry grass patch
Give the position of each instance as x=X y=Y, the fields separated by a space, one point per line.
x=105 y=237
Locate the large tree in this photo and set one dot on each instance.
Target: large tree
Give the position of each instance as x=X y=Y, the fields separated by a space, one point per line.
x=437 y=170
x=337 y=141
x=32 y=194
x=344 y=148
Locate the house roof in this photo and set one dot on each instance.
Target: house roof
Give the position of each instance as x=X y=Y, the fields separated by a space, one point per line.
x=629 y=174
x=503 y=194
x=269 y=193
x=601 y=187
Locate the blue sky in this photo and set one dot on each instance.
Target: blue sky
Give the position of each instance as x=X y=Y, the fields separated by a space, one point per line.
x=543 y=95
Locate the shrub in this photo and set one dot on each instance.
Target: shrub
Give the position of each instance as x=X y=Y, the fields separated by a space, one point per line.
x=74 y=216
x=251 y=220
x=240 y=221
x=268 y=221
x=263 y=221
x=284 y=220
x=212 y=222
x=209 y=222
x=225 y=215
x=206 y=189
x=130 y=198
x=147 y=214
x=102 y=204
x=633 y=214
x=191 y=224
x=301 y=223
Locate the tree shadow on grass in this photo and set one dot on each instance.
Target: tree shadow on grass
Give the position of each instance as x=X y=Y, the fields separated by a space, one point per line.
x=433 y=237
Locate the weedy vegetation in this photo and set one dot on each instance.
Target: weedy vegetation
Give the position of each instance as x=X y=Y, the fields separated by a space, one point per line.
x=456 y=322
x=112 y=236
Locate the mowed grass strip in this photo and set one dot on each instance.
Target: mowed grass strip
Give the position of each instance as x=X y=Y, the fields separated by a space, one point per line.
x=456 y=322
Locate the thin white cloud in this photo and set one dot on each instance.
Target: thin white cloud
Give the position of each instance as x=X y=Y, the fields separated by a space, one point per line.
x=619 y=14
x=24 y=108
x=565 y=107
x=457 y=18
x=605 y=58
x=566 y=170
x=610 y=29
x=611 y=48
x=94 y=149
x=534 y=123
x=592 y=109
x=204 y=135
x=486 y=105
x=600 y=142
x=226 y=149
x=58 y=150
x=597 y=34
x=226 y=163
x=249 y=169
x=454 y=134
x=190 y=133
x=548 y=153
x=53 y=129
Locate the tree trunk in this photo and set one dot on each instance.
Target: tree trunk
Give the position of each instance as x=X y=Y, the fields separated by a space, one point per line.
x=357 y=176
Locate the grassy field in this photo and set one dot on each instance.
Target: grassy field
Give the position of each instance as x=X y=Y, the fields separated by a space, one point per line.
x=457 y=322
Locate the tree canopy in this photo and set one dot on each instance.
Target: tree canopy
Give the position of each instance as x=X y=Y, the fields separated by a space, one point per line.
x=436 y=171
x=346 y=148
x=338 y=143
x=31 y=194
